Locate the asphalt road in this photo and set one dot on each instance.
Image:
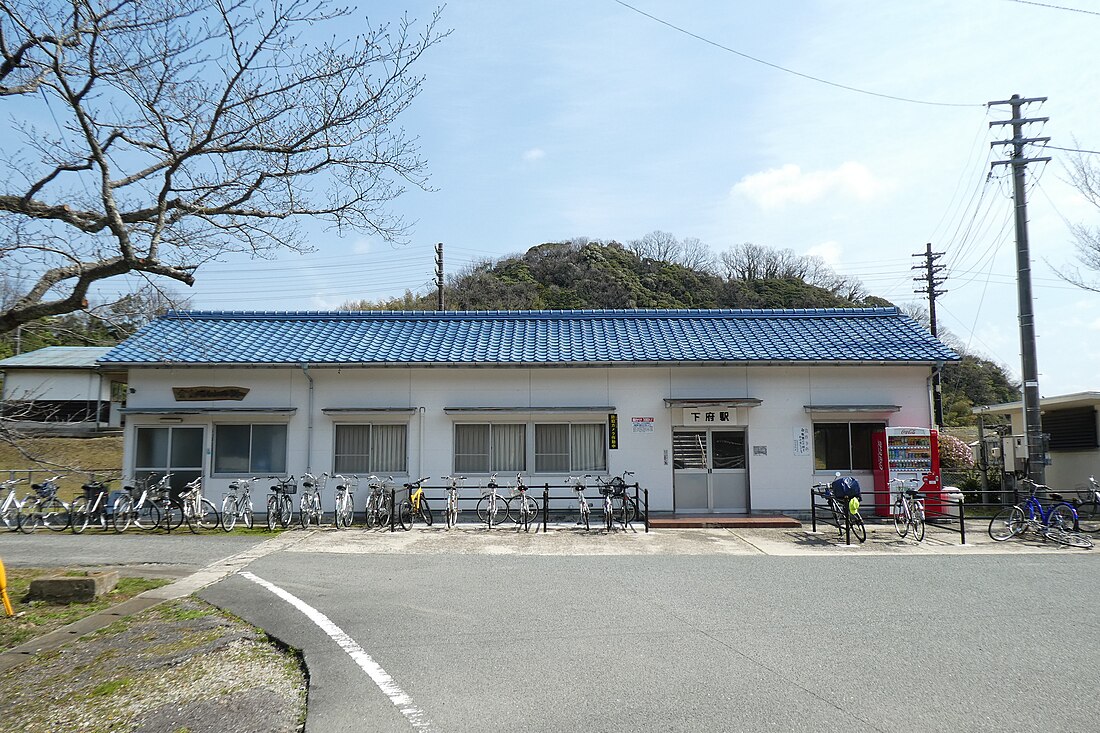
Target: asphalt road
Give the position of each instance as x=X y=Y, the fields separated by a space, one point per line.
x=682 y=631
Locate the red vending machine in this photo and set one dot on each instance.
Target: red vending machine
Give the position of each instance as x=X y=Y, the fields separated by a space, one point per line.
x=906 y=453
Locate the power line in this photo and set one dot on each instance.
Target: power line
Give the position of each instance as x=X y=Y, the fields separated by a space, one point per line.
x=1056 y=7
x=784 y=69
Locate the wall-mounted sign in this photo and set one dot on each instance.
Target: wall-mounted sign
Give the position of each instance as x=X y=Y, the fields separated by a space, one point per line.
x=612 y=431
x=203 y=394
x=711 y=416
x=642 y=424
x=760 y=450
x=802 y=441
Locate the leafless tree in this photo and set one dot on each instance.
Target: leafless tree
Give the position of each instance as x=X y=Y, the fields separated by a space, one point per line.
x=1084 y=174
x=155 y=135
x=696 y=254
x=656 y=245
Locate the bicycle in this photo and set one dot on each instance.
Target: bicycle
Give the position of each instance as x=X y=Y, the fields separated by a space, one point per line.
x=617 y=506
x=344 y=512
x=1088 y=507
x=237 y=504
x=196 y=509
x=453 y=510
x=135 y=507
x=415 y=506
x=844 y=505
x=491 y=507
x=91 y=507
x=908 y=509
x=9 y=509
x=378 y=503
x=584 y=509
x=1058 y=522
x=43 y=508
x=526 y=507
x=309 y=504
x=279 y=507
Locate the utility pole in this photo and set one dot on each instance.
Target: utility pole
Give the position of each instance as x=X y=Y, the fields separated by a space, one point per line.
x=931 y=282
x=439 y=276
x=1036 y=447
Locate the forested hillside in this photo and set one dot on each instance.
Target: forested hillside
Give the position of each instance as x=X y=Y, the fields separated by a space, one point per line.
x=662 y=272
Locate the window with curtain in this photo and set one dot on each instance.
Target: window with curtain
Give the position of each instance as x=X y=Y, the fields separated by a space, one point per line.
x=490 y=448
x=570 y=447
x=844 y=446
x=365 y=449
x=256 y=449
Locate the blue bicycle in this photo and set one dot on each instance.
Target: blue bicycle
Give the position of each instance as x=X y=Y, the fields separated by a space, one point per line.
x=1056 y=521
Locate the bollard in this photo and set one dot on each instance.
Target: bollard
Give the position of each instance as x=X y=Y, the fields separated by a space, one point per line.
x=4 y=590
x=545 y=505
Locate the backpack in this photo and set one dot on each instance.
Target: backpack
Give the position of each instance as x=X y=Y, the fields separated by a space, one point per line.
x=845 y=487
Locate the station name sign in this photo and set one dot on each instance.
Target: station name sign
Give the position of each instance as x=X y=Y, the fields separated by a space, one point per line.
x=205 y=394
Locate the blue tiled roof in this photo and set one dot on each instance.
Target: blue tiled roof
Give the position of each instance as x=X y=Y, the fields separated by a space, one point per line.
x=531 y=337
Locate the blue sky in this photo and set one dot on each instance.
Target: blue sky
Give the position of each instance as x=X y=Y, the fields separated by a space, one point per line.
x=546 y=121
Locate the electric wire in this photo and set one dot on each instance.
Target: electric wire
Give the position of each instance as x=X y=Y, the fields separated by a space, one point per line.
x=1055 y=7
x=787 y=70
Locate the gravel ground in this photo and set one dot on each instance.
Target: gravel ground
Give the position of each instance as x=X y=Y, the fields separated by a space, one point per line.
x=182 y=665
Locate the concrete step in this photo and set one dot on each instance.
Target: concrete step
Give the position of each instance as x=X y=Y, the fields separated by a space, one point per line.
x=760 y=521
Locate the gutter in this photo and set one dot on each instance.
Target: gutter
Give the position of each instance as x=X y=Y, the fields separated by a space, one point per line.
x=309 y=420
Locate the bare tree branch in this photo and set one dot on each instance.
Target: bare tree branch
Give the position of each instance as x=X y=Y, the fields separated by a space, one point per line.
x=187 y=129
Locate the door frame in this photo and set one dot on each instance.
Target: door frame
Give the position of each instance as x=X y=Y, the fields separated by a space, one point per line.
x=710 y=430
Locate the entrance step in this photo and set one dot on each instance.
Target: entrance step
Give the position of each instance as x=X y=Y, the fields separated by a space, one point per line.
x=759 y=521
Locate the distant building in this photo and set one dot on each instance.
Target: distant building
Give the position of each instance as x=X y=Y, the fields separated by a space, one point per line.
x=1073 y=424
x=61 y=384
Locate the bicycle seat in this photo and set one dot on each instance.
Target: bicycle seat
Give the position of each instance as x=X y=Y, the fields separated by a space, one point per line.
x=1057 y=497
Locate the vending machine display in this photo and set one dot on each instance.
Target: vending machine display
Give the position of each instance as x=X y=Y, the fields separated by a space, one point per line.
x=904 y=453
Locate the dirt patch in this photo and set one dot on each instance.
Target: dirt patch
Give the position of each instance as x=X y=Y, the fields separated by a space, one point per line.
x=183 y=665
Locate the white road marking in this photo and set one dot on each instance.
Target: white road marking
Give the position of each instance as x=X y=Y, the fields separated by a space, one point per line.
x=401 y=700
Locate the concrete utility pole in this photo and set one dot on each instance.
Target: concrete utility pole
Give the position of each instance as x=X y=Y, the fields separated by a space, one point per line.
x=1036 y=445
x=932 y=282
x=439 y=276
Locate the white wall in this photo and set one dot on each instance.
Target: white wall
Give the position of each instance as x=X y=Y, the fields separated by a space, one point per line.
x=779 y=480
x=1068 y=470
x=55 y=384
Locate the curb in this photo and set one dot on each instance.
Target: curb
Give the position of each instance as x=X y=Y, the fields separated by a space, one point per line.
x=181 y=588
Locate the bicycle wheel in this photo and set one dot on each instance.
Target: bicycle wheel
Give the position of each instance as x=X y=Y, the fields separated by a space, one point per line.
x=370 y=518
x=78 y=515
x=529 y=511
x=1075 y=539
x=451 y=515
x=405 y=516
x=55 y=515
x=229 y=512
x=917 y=520
x=426 y=511
x=608 y=515
x=586 y=514
x=286 y=511
x=150 y=516
x=208 y=517
x=901 y=522
x=272 y=512
x=122 y=513
x=1088 y=517
x=492 y=509
x=246 y=512
x=1062 y=516
x=1006 y=524
x=338 y=513
x=858 y=529
x=630 y=511
x=29 y=518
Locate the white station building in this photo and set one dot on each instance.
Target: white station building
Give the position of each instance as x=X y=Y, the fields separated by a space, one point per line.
x=724 y=411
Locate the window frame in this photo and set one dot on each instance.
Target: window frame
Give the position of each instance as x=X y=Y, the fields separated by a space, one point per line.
x=373 y=468
x=872 y=427
x=530 y=449
x=252 y=470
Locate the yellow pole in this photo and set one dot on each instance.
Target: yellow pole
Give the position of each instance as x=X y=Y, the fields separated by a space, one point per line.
x=4 y=591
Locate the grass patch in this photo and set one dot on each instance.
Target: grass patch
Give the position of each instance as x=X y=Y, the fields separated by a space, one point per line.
x=111 y=687
x=177 y=613
x=74 y=456
x=36 y=618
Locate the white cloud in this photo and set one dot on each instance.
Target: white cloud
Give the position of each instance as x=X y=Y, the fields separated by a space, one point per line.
x=534 y=154
x=779 y=186
x=827 y=251
x=361 y=246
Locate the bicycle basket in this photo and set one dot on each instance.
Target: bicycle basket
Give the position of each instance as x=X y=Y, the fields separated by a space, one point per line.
x=845 y=487
x=45 y=490
x=91 y=490
x=285 y=488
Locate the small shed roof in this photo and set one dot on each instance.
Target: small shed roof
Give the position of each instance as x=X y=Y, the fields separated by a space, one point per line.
x=57 y=357
x=536 y=338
